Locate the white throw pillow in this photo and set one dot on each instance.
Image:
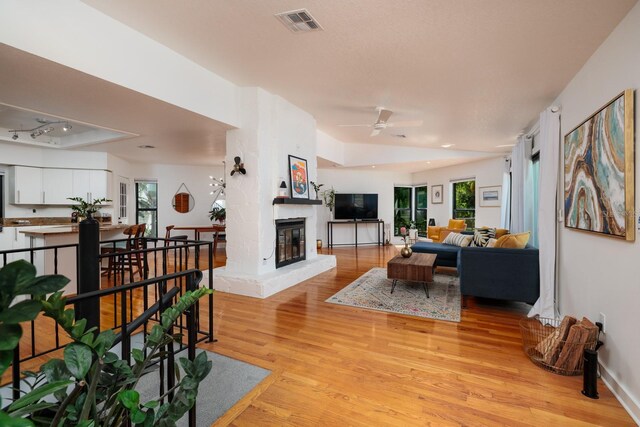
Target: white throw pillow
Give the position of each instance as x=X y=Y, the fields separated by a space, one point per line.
x=457 y=239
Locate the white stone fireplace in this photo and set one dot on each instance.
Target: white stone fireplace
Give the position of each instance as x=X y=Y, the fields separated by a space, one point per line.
x=271 y=130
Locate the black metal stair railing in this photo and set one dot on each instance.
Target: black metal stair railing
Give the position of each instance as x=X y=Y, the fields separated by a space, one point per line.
x=164 y=274
x=128 y=328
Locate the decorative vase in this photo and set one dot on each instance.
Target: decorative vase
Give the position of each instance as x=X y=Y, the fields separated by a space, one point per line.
x=406 y=251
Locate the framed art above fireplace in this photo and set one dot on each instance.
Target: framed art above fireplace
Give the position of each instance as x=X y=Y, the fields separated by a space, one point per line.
x=298 y=178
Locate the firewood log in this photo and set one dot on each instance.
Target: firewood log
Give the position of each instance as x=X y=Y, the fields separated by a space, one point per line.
x=580 y=335
x=551 y=346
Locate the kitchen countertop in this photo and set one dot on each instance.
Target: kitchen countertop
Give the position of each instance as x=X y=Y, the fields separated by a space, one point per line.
x=69 y=229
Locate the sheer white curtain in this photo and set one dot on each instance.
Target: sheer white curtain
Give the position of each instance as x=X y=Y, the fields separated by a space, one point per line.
x=505 y=208
x=520 y=184
x=547 y=208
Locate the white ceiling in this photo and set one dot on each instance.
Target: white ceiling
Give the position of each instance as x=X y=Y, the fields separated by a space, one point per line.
x=477 y=72
x=180 y=136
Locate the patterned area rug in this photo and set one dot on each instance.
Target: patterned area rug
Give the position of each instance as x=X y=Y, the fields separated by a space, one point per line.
x=373 y=290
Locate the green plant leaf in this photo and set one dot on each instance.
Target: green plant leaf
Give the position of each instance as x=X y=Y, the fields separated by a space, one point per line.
x=103 y=342
x=138 y=355
x=150 y=420
x=55 y=370
x=6 y=357
x=43 y=285
x=15 y=275
x=129 y=398
x=23 y=311
x=10 y=336
x=7 y=421
x=78 y=329
x=138 y=416
x=110 y=357
x=32 y=409
x=152 y=404
x=38 y=393
x=78 y=358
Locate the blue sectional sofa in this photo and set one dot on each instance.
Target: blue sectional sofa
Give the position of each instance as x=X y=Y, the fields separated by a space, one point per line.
x=500 y=273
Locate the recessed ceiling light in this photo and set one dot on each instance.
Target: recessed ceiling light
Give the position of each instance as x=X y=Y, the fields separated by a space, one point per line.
x=428 y=163
x=373 y=166
x=146 y=147
x=447 y=145
x=505 y=145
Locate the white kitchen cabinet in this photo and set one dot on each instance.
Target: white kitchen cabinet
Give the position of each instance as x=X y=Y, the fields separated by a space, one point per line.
x=26 y=184
x=81 y=183
x=92 y=184
x=57 y=185
x=101 y=183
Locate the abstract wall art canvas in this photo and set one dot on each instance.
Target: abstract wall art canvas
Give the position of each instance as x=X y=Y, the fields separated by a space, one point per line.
x=599 y=171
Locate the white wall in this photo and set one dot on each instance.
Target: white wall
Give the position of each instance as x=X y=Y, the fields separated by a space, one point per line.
x=271 y=130
x=487 y=173
x=169 y=179
x=359 y=181
x=600 y=274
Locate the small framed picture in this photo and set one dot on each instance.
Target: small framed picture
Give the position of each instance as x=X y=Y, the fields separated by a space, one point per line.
x=298 y=178
x=436 y=194
x=490 y=196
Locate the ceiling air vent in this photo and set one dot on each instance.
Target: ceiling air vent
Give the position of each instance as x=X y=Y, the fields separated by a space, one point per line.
x=299 y=21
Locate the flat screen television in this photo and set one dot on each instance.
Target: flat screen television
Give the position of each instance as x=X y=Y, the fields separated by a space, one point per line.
x=356 y=206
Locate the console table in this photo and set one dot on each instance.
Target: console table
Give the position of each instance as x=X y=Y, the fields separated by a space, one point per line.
x=379 y=226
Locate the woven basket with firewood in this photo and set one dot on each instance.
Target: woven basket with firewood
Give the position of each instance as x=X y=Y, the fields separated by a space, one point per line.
x=558 y=345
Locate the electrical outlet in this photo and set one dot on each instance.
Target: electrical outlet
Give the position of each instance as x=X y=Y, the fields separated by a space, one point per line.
x=602 y=319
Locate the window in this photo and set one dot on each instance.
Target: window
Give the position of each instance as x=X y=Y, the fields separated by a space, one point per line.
x=401 y=208
x=420 y=211
x=123 y=200
x=147 y=206
x=464 y=202
x=535 y=178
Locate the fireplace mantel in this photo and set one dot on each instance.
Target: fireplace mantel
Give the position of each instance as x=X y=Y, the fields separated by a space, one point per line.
x=290 y=201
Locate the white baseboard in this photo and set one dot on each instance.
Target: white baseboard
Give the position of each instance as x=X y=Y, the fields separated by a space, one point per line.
x=620 y=392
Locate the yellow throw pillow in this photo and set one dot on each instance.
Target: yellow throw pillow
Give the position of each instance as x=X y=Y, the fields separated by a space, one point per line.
x=513 y=241
x=501 y=232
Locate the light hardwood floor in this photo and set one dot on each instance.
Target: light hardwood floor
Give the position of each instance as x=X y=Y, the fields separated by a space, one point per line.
x=337 y=365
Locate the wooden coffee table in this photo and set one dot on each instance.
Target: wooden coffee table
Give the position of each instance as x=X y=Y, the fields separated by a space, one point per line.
x=417 y=268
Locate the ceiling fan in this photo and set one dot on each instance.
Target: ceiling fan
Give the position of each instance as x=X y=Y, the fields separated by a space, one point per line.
x=383 y=122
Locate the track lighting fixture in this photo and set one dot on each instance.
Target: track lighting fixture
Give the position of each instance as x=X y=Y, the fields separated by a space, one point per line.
x=44 y=128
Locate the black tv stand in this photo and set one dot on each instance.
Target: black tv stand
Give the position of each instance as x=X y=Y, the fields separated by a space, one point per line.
x=379 y=227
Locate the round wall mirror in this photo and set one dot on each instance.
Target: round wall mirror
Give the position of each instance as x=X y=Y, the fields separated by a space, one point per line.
x=183 y=202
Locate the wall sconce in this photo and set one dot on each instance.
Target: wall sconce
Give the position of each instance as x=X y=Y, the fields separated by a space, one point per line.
x=238 y=166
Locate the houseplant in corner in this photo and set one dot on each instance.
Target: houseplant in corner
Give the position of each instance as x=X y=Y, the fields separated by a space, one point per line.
x=84 y=209
x=218 y=213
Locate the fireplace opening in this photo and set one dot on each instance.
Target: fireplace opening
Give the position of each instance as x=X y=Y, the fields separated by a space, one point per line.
x=290 y=241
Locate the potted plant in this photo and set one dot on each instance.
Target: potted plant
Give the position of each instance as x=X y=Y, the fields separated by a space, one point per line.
x=329 y=197
x=316 y=187
x=84 y=208
x=218 y=213
x=90 y=385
